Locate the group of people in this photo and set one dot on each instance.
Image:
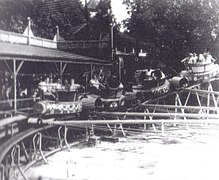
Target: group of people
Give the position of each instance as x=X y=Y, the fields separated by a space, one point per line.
x=49 y=86
x=101 y=84
x=6 y=87
x=204 y=58
x=24 y=89
x=148 y=74
x=97 y=83
x=31 y=86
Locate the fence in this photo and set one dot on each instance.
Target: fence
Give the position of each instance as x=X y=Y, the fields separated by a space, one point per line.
x=83 y=44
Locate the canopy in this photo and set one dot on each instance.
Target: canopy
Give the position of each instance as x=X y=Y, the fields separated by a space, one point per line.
x=10 y=51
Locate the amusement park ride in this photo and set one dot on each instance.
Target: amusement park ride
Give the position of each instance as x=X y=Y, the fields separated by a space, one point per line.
x=191 y=97
x=62 y=105
x=150 y=84
x=199 y=68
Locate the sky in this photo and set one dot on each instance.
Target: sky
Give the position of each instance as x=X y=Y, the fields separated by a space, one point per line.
x=119 y=10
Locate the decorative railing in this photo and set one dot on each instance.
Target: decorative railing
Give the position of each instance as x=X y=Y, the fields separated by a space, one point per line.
x=17 y=38
x=13 y=37
x=28 y=40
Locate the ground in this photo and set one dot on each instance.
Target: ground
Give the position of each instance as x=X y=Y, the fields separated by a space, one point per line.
x=180 y=154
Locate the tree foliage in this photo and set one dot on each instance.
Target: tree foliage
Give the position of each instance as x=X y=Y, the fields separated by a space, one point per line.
x=100 y=22
x=172 y=28
x=45 y=15
x=13 y=15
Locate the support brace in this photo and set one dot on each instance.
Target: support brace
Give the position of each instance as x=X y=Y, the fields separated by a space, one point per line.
x=63 y=137
x=37 y=145
x=15 y=160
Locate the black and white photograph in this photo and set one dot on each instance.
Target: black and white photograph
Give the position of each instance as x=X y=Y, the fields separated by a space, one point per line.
x=109 y=89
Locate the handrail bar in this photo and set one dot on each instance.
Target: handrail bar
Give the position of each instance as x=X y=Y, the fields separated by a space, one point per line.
x=20 y=99
x=10 y=120
x=12 y=111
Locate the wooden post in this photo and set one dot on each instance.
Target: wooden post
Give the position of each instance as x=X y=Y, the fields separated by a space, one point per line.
x=91 y=70
x=60 y=71
x=15 y=72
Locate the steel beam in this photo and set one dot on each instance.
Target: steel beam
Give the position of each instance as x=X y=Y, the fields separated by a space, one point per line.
x=202 y=91
x=179 y=107
x=168 y=115
x=134 y=121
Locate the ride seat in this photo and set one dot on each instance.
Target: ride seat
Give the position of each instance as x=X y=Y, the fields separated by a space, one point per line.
x=111 y=92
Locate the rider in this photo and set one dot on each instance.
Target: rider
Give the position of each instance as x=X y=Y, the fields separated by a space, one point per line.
x=95 y=85
x=74 y=86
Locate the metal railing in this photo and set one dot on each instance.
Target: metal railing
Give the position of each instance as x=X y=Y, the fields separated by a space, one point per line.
x=83 y=44
x=23 y=105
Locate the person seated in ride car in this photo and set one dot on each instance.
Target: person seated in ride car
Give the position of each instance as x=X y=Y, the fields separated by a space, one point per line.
x=52 y=85
x=148 y=73
x=66 y=85
x=43 y=85
x=95 y=85
x=193 y=58
x=102 y=80
x=201 y=59
x=94 y=82
x=73 y=86
x=59 y=84
x=208 y=57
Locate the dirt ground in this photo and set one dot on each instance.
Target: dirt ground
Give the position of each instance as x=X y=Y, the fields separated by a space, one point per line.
x=180 y=154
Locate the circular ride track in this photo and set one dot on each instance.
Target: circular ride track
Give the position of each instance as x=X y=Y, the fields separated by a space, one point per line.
x=197 y=103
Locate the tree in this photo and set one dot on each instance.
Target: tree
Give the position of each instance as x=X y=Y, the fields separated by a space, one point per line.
x=173 y=28
x=45 y=15
x=100 y=23
x=13 y=15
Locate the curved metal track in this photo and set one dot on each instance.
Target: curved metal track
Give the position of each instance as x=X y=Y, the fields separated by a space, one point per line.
x=8 y=145
x=16 y=157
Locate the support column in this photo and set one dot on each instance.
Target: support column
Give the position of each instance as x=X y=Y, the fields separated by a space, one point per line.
x=15 y=72
x=62 y=70
x=91 y=70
